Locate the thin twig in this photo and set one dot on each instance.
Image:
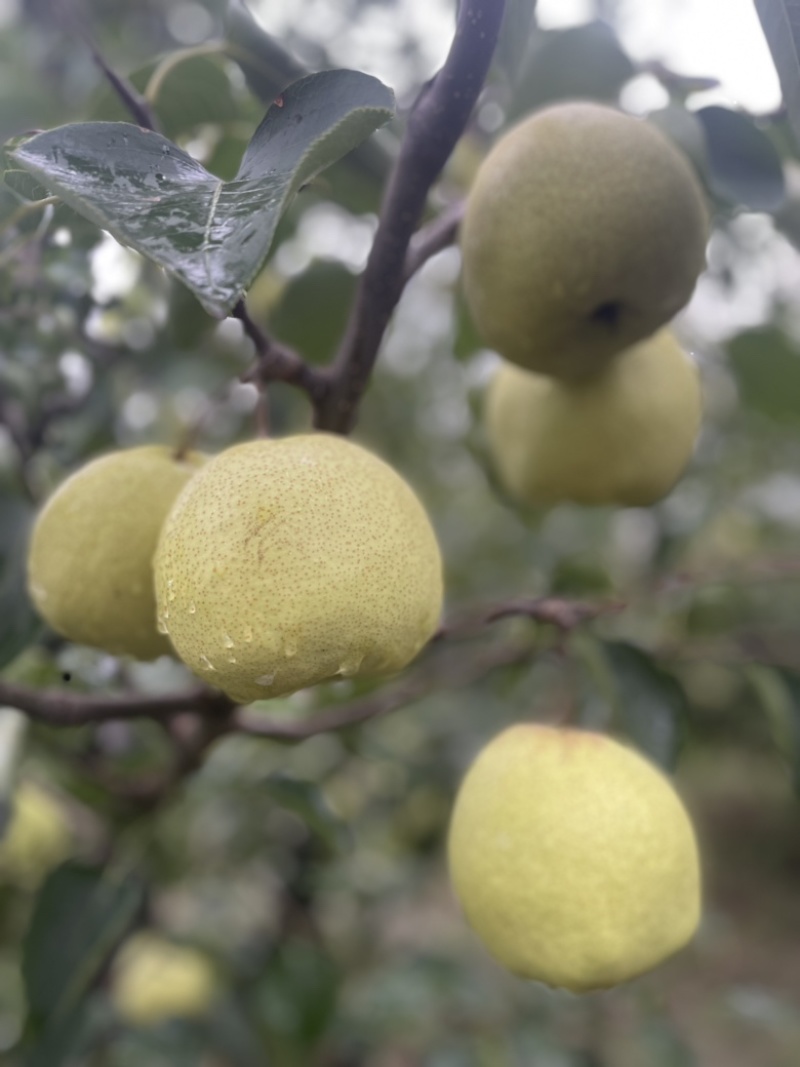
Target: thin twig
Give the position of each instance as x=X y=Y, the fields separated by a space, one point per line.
x=128 y=94
x=276 y=362
x=436 y=236
x=435 y=124
x=564 y=614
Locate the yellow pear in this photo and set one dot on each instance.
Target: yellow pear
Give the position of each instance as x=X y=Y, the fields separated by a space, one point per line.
x=585 y=231
x=90 y=570
x=154 y=980
x=573 y=858
x=37 y=838
x=288 y=562
x=623 y=437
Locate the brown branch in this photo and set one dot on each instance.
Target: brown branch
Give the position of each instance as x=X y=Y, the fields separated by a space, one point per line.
x=276 y=362
x=128 y=94
x=564 y=614
x=389 y=699
x=435 y=124
x=59 y=708
x=435 y=237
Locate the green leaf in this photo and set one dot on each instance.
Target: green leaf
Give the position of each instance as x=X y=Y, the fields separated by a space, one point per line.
x=213 y=235
x=744 y=165
x=650 y=704
x=780 y=20
x=766 y=364
x=778 y=693
x=313 y=310
x=296 y=998
x=19 y=623
x=582 y=62
x=81 y=915
x=305 y=799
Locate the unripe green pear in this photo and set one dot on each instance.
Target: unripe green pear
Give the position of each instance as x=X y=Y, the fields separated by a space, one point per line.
x=585 y=231
x=90 y=563
x=289 y=562
x=573 y=857
x=623 y=437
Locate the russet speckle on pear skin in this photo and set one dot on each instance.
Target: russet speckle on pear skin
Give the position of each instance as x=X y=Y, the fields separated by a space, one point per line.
x=295 y=561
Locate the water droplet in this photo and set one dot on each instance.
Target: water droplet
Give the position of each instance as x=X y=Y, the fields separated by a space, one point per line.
x=165 y=613
x=206 y=662
x=192 y=609
x=350 y=667
x=248 y=634
x=228 y=641
x=290 y=649
x=161 y=625
x=170 y=595
x=265 y=679
x=231 y=659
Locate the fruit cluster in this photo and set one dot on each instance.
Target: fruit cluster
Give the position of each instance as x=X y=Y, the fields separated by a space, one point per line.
x=280 y=564
x=273 y=566
x=584 y=234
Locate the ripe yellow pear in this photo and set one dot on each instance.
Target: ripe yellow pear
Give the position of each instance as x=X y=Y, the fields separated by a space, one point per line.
x=623 y=437
x=288 y=562
x=37 y=838
x=573 y=858
x=154 y=980
x=585 y=231
x=90 y=570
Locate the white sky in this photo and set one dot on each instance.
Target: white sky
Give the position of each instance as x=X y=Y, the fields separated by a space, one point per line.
x=717 y=38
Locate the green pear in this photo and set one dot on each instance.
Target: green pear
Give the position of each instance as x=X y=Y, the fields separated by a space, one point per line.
x=90 y=562
x=289 y=562
x=623 y=437
x=585 y=231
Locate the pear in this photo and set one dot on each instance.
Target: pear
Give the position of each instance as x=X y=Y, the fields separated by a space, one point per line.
x=585 y=231
x=90 y=561
x=154 y=980
x=573 y=858
x=623 y=437
x=289 y=562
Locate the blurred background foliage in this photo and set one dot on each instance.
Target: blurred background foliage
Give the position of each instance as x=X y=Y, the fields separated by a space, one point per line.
x=311 y=878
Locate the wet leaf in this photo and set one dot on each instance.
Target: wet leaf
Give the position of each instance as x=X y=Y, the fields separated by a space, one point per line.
x=213 y=235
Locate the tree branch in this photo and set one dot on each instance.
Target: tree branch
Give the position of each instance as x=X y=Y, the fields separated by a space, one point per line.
x=435 y=124
x=386 y=700
x=58 y=708
x=128 y=94
x=276 y=362
x=436 y=236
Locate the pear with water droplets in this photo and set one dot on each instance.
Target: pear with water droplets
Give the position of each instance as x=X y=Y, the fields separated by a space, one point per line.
x=90 y=563
x=289 y=562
